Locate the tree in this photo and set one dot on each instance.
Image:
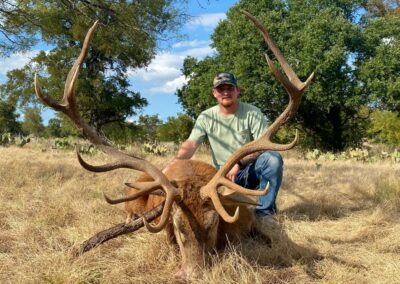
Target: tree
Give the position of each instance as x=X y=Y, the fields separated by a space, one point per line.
x=58 y=127
x=124 y=132
x=13 y=37
x=385 y=128
x=315 y=35
x=176 y=129
x=148 y=125
x=379 y=61
x=33 y=123
x=126 y=38
x=8 y=119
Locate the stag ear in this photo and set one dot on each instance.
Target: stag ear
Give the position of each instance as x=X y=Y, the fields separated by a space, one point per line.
x=231 y=197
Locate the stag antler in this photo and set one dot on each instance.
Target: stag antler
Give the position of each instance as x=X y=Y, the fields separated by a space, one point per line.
x=295 y=89
x=68 y=106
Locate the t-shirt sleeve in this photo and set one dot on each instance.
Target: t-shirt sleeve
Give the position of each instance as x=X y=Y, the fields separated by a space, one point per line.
x=259 y=123
x=198 y=132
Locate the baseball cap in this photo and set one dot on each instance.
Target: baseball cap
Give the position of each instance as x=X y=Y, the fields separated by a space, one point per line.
x=224 y=78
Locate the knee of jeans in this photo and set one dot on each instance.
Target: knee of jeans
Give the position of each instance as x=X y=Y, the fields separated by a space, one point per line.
x=272 y=159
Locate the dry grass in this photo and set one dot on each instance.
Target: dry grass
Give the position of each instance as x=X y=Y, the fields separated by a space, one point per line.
x=340 y=224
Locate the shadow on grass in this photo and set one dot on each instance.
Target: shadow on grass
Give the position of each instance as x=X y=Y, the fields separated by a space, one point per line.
x=276 y=252
x=329 y=205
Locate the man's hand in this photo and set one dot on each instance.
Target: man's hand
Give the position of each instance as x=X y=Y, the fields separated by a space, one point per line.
x=185 y=152
x=168 y=166
x=233 y=172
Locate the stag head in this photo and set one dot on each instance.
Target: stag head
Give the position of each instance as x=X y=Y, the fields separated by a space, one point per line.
x=195 y=203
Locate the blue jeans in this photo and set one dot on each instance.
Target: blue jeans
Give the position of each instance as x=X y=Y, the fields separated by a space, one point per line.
x=268 y=167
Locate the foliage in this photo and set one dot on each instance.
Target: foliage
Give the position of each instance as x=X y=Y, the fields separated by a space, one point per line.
x=21 y=141
x=176 y=129
x=8 y=119
x=379 y=65
x=355 y=154
x=126 y=38
x=57 y=127
x=69 y=143
x=385 y=127
x=154 y=148
x=8 y=138
x=322 y=36
x=122 y=132
x=14 y=38
x=148 y=125
x=32 y=123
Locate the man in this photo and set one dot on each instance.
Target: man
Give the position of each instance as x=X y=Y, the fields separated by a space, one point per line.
x=229 y=125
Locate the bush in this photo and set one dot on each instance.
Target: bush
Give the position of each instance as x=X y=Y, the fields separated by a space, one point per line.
x=356 y=154
x=385 y=127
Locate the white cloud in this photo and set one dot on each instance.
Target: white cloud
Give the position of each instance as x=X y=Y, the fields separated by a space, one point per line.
x=164 y=66
x=206 y=20
x=199 y=52
x=170 y=86
x=164 y=75
x=164 y=72
x=16 y=60
x=193 y=43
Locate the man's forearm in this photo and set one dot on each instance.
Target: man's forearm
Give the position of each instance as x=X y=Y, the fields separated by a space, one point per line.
x=186 y=150
x=249 y=158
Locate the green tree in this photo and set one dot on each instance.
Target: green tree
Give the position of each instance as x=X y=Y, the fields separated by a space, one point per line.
x=123 y=132
x=379 y=61
x=317 y=35
x=33 y=123
x=54 y=128
x=176 y=129
x=147 y=126
x=13 y=38
x=126 y=38
x=59 y=127
x=385 y=127
x=8 y=119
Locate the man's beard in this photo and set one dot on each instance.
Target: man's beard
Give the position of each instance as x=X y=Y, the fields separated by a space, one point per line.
x=227 y=103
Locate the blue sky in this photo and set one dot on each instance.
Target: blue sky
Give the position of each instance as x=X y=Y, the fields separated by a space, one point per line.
x=158 y=82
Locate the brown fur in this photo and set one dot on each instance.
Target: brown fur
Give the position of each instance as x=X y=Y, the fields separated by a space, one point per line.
x=179 y=172
x=195 y=226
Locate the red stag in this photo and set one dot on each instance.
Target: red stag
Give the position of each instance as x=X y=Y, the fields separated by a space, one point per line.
x=197 y=205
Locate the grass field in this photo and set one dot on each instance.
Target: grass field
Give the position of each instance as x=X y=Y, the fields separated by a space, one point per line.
x=340 y=224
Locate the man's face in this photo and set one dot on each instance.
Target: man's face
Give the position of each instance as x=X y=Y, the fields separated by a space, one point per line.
x=226 y=94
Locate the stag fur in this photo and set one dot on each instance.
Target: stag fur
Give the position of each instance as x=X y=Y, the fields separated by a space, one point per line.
x=195 y=225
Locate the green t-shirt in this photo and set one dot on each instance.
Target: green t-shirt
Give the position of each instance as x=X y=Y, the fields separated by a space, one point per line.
x=228 y=133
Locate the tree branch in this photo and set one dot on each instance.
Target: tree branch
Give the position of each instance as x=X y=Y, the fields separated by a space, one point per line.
x=118 y=230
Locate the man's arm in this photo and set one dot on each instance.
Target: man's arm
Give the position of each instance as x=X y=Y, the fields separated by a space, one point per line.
x=250 y=158
x=244 y=161
x=185 y=152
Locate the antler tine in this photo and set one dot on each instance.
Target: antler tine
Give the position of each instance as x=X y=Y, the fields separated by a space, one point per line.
x=69 y=89
x=295 y=89
x=169 y=201
x=278 y=54
x=69 y=107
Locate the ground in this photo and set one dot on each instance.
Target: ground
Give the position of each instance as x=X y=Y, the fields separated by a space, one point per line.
x=340 y=224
